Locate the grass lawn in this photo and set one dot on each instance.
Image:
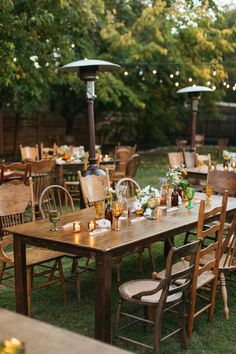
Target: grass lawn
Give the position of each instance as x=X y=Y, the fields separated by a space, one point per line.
x=215 y=337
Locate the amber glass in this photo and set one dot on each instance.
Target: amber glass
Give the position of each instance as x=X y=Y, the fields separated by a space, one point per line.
x=117 y=210
x=99 y=207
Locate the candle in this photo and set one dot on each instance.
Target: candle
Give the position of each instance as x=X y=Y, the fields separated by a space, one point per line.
x=225 y=168
x=77 y=226
x=100 y=157
x=106 y=156
x=91 y=225
x=212 y=167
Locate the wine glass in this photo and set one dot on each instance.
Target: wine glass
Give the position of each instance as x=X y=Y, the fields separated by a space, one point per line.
x=190 y=194
x=54 y=218
x=152 y=204
x=208 y=191
x=99 y=207
x=117 y=210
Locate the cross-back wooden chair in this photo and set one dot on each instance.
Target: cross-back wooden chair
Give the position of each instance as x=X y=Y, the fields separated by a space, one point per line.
x=131 y=184
x=14 y=201
x=94 y=187
x=166 y=293
x=42 y=172
x=29 y=153
x=175 y=159
x=207 y=262
x=15 y=172
x=221 y=181
x=47 y=152
x=190 y=159
x=121 y=157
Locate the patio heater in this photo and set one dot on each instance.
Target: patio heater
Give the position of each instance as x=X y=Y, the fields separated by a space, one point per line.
x=194 y=93
x=88 y=70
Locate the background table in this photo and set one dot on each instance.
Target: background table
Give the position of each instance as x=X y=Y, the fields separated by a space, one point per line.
x=72 y=167
x=104 y=246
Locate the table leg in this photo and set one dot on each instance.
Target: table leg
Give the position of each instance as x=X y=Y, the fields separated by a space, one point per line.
x=20 y=276
x=59 y=175
x=103 y=297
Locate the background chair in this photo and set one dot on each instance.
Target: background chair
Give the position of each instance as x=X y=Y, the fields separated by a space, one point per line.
x=48 y=152
x=29 y=153
x=42 y=172
x=175 y=159
x=121 y=157
x=221 y=181
x=14 y=200
x=15 y=172
x=165 y=294
x=94 y=187
x=131 y=184
x=189 y=159
x=203 y=160
x=199 y=141
x=222 y=144
x=132 y=165
x=181 y=144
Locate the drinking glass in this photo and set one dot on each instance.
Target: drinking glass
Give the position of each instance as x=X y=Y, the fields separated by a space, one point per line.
x=117 y=212
x=152 y=204
x=121 y=191
x=54 y=218
x=190 y=194
x=99 y=207
x=208 y=191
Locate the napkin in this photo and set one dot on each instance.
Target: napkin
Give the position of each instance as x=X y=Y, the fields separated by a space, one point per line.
x=103 y=224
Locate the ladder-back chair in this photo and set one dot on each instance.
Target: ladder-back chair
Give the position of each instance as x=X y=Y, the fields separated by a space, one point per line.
x=29 y=153
x=167 y=293
x=15 y=201
x=48 y=152
x=175 y=159
x=15 y=172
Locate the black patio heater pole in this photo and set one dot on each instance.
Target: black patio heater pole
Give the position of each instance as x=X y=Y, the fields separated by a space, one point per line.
x=194 y=93
x=88 y=71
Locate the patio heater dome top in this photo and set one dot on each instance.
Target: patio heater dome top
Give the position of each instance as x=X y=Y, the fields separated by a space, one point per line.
x=88 y=68
x=194 y=89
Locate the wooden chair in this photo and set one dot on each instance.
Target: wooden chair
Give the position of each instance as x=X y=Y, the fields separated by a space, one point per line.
x=206 y=272
x=189 y=159
x=121 y=157
x=94 y=187
x=199 y=140
x=162 y=294
x=42 y=172
x=29 y=153
x=181 y=144
x=222 y=144
x=203 y=159
x=53 y=198
x=15 y=172
x=14 y=200
x=175 y=159
x=48 y=152
x=221 y=181
x=131 y=184
x=227 y=262
x=132 y=165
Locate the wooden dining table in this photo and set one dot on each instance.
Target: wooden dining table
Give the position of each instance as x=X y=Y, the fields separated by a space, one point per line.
x=135 y=232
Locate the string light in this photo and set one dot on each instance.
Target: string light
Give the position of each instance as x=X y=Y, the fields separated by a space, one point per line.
x=154 y=71
x=126 y=73
x=140 y=72
x=208 y=83
x=224 y=83
x=177 y=84
x=190 y=79
x=177 y=72
x=213 y=87
x=214 y=72
x=171 y=76
x=227 y=86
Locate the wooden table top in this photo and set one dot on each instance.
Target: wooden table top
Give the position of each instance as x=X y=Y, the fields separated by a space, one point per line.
x=203 y=170
x=130 y=233
x=42 y=338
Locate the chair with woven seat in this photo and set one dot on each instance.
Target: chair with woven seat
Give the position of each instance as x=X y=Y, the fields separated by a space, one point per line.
x=47 y=152
x=164 y=294
x=206 y=272
x=175 y=159
x=29 y=153
x=14 y=201
x=121 y=157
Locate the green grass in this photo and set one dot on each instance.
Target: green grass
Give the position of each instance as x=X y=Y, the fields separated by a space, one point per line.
x=215 y=337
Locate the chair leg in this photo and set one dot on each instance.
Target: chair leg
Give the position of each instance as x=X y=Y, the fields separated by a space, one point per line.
x=74 y=265
x=140 y=259
x=157 y=329
x=2 y=269
x=186 y=237
x=29 y=273
x=191 y=311
x=117 y=323
x=152 y=258
x=118 y=262
x=212 y=299
x=62 y=281
x=224 y=294
x=181 y=322
x=78 y=292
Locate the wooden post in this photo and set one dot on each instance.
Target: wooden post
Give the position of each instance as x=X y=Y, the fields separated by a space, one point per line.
x=17 y=120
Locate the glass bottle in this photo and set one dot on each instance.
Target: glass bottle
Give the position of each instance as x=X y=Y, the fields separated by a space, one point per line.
x=121 y=190
x=108 y=213
x=163 y=193
x=174 y=198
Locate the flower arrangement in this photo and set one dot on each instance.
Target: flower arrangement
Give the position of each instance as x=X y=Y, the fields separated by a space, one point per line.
x=176 y=175
x=11 y=346
x=140 y=204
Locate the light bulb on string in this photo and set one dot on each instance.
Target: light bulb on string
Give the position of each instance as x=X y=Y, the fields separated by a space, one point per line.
x=177 y=73
x=161 y=81
x=213 y=87
x=208 y=83
x=194 y=85
x=234 y=88
x=227 y=86
x=171 y=76
x=140 y=72
x=224 y=83
x=176 y=83
x=214 y=72
x=126 y=73
x=190 y=79
x=154 y=71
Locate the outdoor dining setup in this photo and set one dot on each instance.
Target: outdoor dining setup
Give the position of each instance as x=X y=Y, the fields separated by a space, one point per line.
x=117 y=177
